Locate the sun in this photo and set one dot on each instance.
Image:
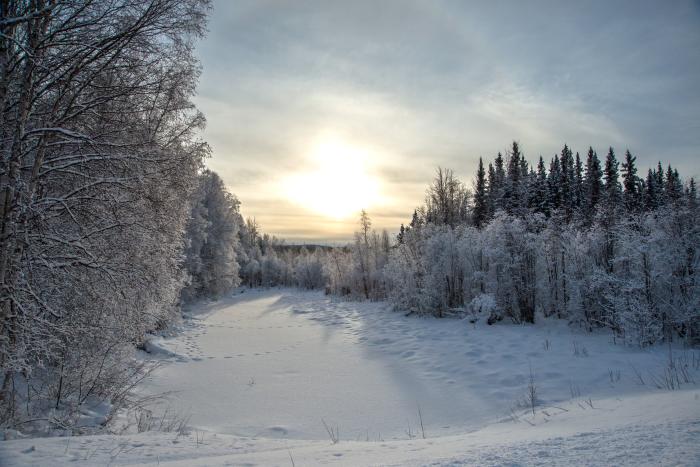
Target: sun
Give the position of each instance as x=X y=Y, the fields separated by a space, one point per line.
x=338 y=184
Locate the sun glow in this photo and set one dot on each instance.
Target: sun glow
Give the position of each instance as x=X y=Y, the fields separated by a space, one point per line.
x=338 y=184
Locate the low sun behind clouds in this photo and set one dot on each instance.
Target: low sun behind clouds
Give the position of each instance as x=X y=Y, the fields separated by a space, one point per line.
x=337 y=179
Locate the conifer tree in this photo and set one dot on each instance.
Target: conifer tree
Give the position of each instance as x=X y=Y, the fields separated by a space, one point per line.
x=554 y=184
x=578 y=183
x=540 y=190
x=660 y=184
x=672 y=186
x=692 y=196
x=513 y=189
x=416 y=221
x=498 y=188
x=592 y=184
x=651 y=194
x=566 y=181
x=612 y=182
x=630 y=183
x=491 y=192
x=480 y=213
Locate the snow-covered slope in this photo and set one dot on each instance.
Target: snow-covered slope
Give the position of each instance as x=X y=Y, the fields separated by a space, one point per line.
x=260 y=373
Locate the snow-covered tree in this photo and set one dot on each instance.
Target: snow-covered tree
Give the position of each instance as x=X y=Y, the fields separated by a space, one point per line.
x=212 y=235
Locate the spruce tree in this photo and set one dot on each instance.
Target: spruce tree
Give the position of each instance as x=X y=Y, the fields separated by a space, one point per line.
x=630 y=183
x=513 y=190
x=660 y=184
x=415 y=220
x=554 y=184
x=480 y=213
x=498 y=188
x=692 y=196
x=578 y=183
x=566 y=184
x=540 y=190
x=401 y=235
x=672 y=186
x=592 y=184
x=651 y=192
x=612 y=182
x=491 y=192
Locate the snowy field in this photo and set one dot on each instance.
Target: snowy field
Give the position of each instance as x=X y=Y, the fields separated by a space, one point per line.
x=259 y=374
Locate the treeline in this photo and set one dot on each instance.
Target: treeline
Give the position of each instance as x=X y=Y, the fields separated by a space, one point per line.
x=580 y=241
x=353 y=270
x=99 y=161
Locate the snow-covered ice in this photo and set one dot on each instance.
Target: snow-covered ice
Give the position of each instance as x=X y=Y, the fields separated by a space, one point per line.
x=258 y=373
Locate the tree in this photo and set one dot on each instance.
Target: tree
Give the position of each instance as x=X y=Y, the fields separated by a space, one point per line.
x=554 y=183
x=630 y=183
x=400 y=236
x=567 y=182
x=651 y=192
x=578 y=184
x=540 y=191
x=513 y=190
x=672 y=185
x=362 y=251
x=692 y=196
x=480 y=211
x=611 y=176
x=446 y=199
x=497 y=183
x=592 y=184
x=212 y=233
x=492 y=191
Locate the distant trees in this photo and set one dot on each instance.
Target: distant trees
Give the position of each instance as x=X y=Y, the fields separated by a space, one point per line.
x=357 y=270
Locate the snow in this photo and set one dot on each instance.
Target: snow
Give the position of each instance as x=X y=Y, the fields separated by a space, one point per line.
x=259 y=372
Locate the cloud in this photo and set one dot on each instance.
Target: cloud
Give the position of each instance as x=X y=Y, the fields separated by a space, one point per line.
x=440 y=83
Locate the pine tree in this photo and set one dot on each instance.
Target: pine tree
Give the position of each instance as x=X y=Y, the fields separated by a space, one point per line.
x=480 y=212
x=692 y=196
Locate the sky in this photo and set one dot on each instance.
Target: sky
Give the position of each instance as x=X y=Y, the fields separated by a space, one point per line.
x=316 y=110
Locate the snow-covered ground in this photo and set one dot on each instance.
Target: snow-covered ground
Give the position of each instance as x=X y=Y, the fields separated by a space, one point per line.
x=259 y=374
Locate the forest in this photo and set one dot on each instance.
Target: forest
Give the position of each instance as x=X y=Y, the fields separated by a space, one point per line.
x=110 y=222
x=590 y=243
